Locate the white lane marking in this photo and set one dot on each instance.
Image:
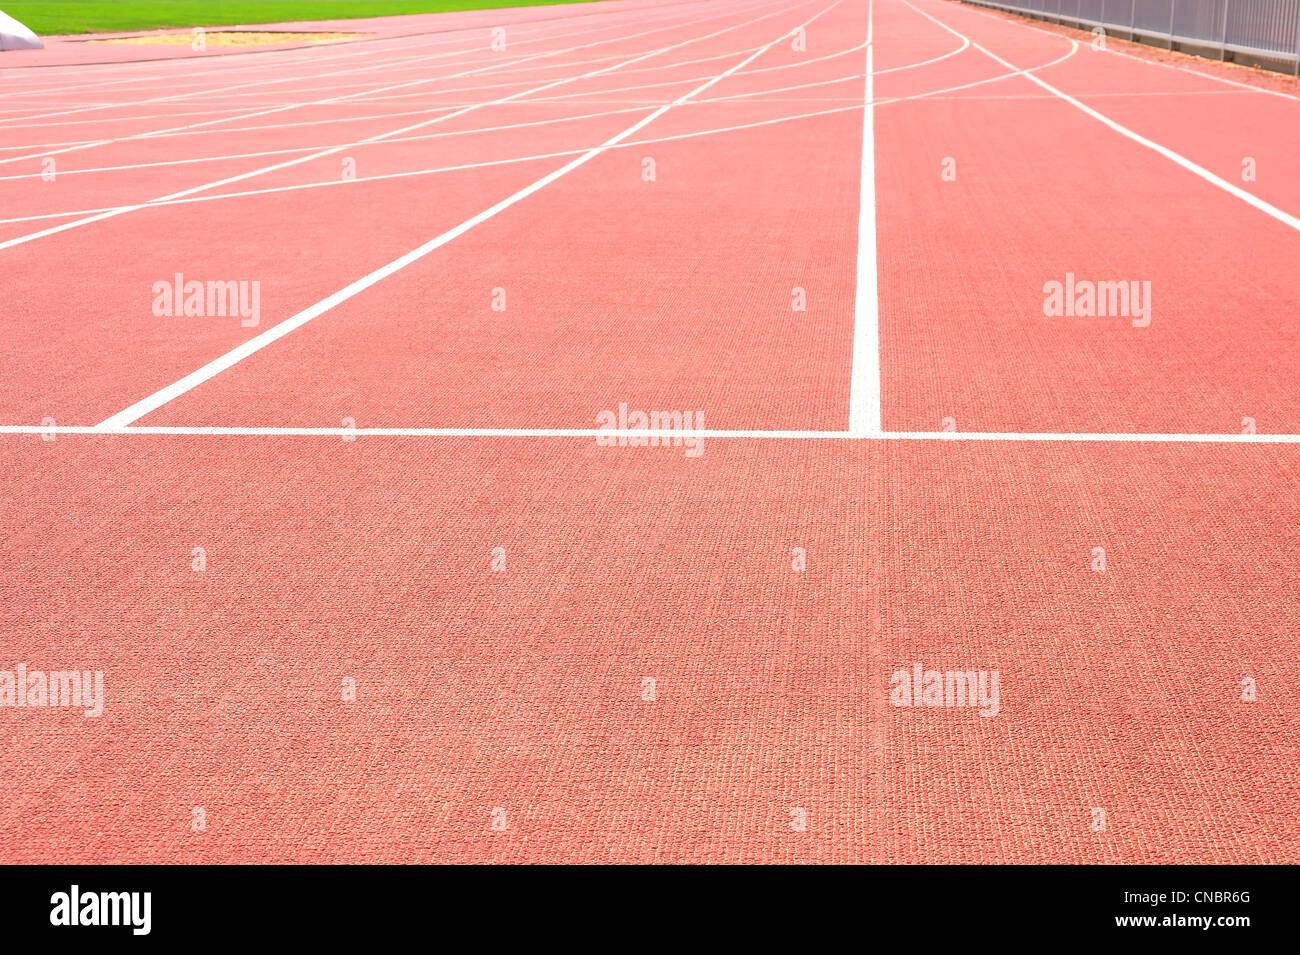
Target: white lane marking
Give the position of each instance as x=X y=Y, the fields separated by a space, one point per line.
x=311 y=57
x=162 y=162
x=569 y=97
x=334 y=150
x=786 y=89
x=1250 y=199
x=401 y=59
x=942 y=437
x=306 y=149
x=190 y=76
x=463 y=132
x=560 y=119
x=460 y=167
x=492 y=67
x=245 y=114
x=255 y=344
x=44 y=149
x=167 y=68
x=194 y=131
x=209 y=91
x=547 y=16
x=294 y=187
x=1043 y=97
x=678 y=82
x=934 y=59
x=864 y=382
x=367 y=98
x=570 y=152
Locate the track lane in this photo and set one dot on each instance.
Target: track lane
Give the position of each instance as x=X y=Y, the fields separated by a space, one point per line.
x=524 y=689
x=488 y=375
x=963 y=288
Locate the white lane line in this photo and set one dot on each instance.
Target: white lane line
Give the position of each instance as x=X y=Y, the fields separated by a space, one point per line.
x=1267 y=208
x=938 y=94
x=311 y=57
x=864 y=383
x=244 y=112
x=209 y=91
x=492 y=66
x=276 y=332
x=942 y=437
x=182 y=68
x=444 y=116
x=1124 y=437
x=554 y=155
x=459 y=167
x=306 y=149
x=561 y=119
x=188 y=78
x=363 y=98
x=370 y=46
x=435 y=35
x=424 y=111
x=43 y=148
x=404 y=61
x=293 y=187
x=787 y=89
x=40 y=150
x=934 y=59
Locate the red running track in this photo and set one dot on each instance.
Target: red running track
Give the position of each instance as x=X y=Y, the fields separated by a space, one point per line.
x=563 y=651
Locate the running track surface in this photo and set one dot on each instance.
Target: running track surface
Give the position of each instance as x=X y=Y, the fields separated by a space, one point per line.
x=569 y=652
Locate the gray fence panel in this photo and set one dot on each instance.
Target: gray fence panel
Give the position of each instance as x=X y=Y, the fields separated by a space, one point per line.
x=1264 y=24
x=1090 y=9
x=1116 y=11
x=1199 y=19
x=1154 y=15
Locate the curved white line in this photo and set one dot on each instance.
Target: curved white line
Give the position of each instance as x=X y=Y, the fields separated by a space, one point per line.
x=521 y=159
x=911 y=66
x=674 y=24
x=19 y=240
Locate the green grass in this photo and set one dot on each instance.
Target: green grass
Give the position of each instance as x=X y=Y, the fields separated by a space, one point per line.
x=54 y=17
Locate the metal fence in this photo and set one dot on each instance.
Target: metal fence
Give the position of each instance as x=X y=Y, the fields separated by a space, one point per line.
x=1264 y=30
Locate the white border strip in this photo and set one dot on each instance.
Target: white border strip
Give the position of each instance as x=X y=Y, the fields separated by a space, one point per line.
x=940 y=436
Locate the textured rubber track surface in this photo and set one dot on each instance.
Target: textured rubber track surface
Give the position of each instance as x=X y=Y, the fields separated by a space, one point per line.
x=568 y=652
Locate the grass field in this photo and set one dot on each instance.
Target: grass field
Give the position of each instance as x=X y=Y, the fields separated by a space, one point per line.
x=55 y=17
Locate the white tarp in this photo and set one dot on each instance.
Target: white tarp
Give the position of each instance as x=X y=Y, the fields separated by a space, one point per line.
x=15 y=36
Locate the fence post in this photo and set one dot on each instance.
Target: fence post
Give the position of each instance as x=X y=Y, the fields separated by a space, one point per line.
x=1173 y=5
x=1132 y=19
x=1297 y=44
x=1223 y=34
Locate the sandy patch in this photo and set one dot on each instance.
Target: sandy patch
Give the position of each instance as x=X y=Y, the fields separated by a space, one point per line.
x=231 y=38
